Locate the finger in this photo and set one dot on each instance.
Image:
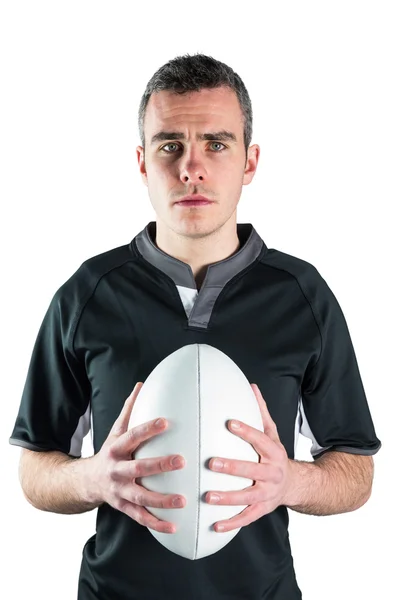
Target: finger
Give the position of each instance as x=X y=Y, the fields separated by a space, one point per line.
x=245 y=497
x=122 y=422
x=125 y=444
x=137 y=494
x=143 y=517
x=133 y=469
x=263 y=444
x=257 y=471
x=270 y=427
x=247 y=516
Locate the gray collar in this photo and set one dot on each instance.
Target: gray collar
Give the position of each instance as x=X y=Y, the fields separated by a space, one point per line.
x=218 y=274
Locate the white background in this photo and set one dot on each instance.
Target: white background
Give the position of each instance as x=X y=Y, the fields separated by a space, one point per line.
x=324 y=82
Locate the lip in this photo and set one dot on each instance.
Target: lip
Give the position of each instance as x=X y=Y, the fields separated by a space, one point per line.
x=194 y=200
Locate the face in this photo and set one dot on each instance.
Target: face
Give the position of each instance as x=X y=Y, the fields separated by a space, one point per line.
x=176 y=166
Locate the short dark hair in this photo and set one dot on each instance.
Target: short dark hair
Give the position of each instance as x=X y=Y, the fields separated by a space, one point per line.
x=190 y=73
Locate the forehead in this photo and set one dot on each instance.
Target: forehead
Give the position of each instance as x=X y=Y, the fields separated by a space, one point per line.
x=215 y=108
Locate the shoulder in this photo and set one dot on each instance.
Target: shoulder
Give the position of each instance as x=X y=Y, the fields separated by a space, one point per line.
x=307 y=276
x=71 y=298
x=321 y=300
x=83 y=282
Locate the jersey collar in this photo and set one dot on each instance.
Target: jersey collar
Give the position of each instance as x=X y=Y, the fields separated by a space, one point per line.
x=218 y=274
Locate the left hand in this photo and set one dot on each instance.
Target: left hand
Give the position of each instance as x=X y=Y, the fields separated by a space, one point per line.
x=271 y=475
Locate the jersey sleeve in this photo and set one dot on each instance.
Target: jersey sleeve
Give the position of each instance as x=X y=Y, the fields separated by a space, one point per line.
x=333 y=406
x=54 y=412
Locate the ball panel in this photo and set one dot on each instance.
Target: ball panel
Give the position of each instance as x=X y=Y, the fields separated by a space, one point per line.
x=197 y=389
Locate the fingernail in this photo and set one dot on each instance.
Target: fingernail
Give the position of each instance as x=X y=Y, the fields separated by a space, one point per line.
x=176 y=461
x=177 y=501
x=214 y=498
x=235 y=425
x=159 y=423
x=217 y=464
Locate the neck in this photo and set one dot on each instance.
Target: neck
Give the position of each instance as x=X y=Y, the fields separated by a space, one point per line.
x=201 y=251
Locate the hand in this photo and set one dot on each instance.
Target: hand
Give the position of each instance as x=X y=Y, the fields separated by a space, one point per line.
x=271 y=475
x=114 y=473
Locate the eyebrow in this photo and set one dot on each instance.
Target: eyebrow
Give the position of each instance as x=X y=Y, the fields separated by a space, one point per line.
x=222 y=135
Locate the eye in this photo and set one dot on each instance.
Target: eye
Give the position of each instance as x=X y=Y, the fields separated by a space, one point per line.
x=163 y=149
x=169 y=144
x=219 y=144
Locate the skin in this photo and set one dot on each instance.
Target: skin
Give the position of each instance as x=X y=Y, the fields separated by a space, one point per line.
x=337 y=482
x=172 y=169
x=200 y=236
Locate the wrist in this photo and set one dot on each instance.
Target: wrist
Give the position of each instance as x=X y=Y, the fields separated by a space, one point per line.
x=88 y=481
x=296 y=480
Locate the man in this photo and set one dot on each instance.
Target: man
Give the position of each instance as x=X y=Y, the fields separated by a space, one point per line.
x=194 y=276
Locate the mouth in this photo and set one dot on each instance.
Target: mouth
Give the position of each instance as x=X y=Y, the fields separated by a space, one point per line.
x=194 y=200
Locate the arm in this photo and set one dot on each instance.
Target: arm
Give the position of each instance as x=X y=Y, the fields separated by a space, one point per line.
x=337 y=482
x=56 y=482
x=53 y=481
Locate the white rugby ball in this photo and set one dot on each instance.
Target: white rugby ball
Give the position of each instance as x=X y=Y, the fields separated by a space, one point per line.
x=197 y=389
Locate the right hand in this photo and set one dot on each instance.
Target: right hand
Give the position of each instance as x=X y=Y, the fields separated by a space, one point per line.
x=116 y=472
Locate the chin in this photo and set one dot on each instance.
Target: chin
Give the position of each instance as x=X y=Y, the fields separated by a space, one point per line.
x=198 y=228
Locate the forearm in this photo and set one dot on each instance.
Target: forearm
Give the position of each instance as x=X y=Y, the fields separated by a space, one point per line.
x=54 y=482
x=337 y=482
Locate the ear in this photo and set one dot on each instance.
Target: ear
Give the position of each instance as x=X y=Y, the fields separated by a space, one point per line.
x=253 y=155
x=142 y=165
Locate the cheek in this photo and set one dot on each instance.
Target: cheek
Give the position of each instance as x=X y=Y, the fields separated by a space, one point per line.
x=223 y=173
x=233 y=169
x=158 y=176
x=232 y=177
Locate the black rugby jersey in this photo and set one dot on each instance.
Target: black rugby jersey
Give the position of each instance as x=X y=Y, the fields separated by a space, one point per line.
x=119 y=315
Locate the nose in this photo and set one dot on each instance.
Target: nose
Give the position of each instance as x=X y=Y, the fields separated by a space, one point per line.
x=192 y=170
x=191 y=177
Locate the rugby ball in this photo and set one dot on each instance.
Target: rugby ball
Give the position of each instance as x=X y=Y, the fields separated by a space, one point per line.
x=198 y=389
